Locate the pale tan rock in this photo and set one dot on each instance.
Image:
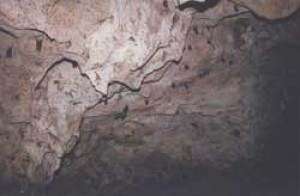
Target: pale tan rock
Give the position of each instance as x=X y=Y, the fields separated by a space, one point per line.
x=72 y=52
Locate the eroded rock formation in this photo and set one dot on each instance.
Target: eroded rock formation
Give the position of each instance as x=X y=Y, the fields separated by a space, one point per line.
x=271 y=9
x=140 y=73
x=73 y=58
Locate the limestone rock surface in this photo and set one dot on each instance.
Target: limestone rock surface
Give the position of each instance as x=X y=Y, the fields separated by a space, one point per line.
x=152 y=76
x=64 y=57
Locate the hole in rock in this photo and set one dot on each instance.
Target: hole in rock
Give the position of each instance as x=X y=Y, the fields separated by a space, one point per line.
x=199 y=6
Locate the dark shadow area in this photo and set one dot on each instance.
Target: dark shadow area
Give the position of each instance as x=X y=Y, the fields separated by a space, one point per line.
x=199 y=6
x=280 y=161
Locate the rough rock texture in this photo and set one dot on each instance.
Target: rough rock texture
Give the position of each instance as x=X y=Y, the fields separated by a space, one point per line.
x=213 y=109
x=69 y=57
x=46 y=116
x=171 y=82
x=271 y=9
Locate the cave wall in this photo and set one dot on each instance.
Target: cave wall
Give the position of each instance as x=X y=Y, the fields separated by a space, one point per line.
x=214 y=109
x=86 y=79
